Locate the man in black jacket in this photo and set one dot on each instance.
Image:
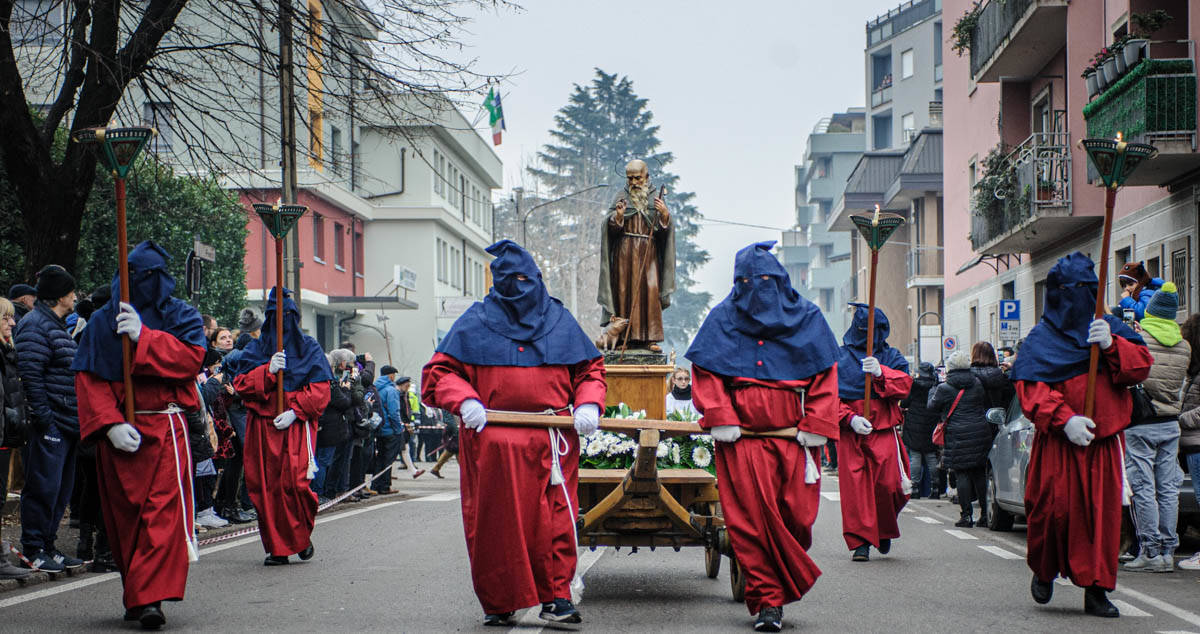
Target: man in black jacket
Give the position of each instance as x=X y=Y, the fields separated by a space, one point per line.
x=919 y=423
x=45 y=351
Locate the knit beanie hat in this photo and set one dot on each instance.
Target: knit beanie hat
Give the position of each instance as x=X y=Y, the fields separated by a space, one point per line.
x=20 y=290
x=1165 y=302
x=53 y=282
x=959 y=361
x=250 y=319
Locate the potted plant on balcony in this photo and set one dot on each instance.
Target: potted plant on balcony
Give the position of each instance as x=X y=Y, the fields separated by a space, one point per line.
x=1109 y=65
x=1045 y=189
x=1097 y=63
x=1089 y=76
x=961 y=35
x=1146 y=25
x=1118 y=52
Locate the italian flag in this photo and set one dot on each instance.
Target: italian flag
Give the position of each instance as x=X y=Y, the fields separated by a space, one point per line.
x=495 y=114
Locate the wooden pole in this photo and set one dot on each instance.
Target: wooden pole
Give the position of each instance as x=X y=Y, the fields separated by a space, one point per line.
x=123 y=274
x=279 y=396
x=1110 y=201
x=870 y=333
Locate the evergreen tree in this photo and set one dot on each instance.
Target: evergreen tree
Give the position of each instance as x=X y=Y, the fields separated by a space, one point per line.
x=603 y=126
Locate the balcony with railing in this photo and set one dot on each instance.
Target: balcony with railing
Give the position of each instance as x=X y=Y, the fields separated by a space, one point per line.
x=1155 y=103
x=1028 y=206
x=1016 y=38
x=881 y=95
x=925 y=266
x=826 y=277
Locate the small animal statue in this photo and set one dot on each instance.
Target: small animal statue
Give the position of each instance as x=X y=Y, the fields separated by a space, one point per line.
x=610 y=337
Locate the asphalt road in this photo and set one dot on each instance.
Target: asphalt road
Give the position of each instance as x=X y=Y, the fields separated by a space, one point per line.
x=400 y=566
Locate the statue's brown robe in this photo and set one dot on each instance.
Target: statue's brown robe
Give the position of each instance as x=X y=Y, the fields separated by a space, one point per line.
x=637 y=274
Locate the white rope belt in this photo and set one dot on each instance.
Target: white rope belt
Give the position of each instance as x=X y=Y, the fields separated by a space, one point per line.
x=173 y=413
x=906 y=484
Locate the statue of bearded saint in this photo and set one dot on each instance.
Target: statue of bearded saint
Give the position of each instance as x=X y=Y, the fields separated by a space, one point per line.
x=637 y=267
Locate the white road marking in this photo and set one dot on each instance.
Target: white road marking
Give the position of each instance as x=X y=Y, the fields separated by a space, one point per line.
x=93 y=580
x=927 y=520
x=1179 y=613
x=438 y=497
x=831 y=495
x=1066 y=583
x=960 y=534
x=907 y=510
x=1128 y=610
x=529 y=617
x=1001 y=553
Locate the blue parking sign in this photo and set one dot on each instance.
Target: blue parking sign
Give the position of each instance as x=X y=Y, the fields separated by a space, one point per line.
x=1010 y=309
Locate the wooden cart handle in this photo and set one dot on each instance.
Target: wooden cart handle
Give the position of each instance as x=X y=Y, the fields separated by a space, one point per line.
x=621 y=425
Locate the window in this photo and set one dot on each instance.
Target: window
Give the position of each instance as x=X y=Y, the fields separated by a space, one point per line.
x=881 y=132
x=937 y=44
x=441 y=260
x=1009 y=290
x=335 y=149
x=359 y=253
x=972 y=174
x=38 y=22
x=161 y=117
x=355 y=165
x=318 y=238
x=974 y=325
x=906 y=64
x=908 y=123
x=339 y=237
x=437 y=173
x=316 y=88
x=455 y=268
x=1179 y=270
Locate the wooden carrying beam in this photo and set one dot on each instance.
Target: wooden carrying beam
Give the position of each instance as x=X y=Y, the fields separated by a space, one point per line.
x=621 y=425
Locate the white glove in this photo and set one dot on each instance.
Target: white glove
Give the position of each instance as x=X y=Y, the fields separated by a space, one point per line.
x=871 y=365
x=129 y=322
x=1077 y=432
x=587 y=418
x=1100 y=332
x=285 y=420
x=807 y=439
x=278 y=362
x=861 y=425
x=124 y=437
x=473 y=415
x=726 y=433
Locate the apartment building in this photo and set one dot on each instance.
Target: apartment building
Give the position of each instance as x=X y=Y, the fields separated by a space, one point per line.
x=818 y=260
x=900 y=170
x=1016 y=108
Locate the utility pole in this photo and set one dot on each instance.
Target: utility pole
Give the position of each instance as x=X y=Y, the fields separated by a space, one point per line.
x=287 y=138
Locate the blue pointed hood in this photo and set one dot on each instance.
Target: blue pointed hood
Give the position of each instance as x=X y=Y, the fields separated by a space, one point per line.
x=518 y=323
x=150 y=288
x=763 y=329
x=851 y=380
x=306 y=362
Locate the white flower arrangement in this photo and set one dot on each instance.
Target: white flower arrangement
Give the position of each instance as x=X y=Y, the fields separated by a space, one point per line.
x=701 y=456
x=608 y=450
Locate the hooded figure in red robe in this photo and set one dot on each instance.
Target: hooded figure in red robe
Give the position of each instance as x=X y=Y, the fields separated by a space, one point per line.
x=872 y=463
x=518 y=350
x=1076 y=478
x=278 y=447
x=144 y=465
x=764 y=360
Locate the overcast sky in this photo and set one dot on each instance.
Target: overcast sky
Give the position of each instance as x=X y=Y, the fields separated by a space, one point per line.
x=736 y=87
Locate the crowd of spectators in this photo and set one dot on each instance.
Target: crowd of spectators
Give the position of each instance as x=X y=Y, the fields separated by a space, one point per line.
x=372 y=421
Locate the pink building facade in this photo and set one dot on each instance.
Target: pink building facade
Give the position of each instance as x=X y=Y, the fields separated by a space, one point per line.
x=1018 y=95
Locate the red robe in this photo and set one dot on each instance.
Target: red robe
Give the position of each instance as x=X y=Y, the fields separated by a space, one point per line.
x=276 y=462
x=146 y=496
x=869 y=466
x=769 y=510
x=1073 y=493
x=520 y=528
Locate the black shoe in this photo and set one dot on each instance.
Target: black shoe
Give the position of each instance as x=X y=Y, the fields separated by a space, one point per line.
x=915 y=496
x=954 y=499
x=498 y=620
x=1041 y=590
x=307 y=553
x=885 y=546
x=1096 y=603
x=770 y=619
x=983 y=520
x=862 y=553
x=275 y=560
x=152 y=617
x=560 y=611
x=104 y=562
x=237 y=517
x=132 y=614
x=964 y=523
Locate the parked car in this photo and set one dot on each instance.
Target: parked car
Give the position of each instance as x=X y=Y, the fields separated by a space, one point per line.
x=1008 y=463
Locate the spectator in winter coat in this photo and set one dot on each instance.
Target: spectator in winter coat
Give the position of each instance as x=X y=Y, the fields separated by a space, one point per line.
x=1152 y=439
x=987 y=369
x=1137 y=287
x=362 y=453
x=333 y=430
x=918 y=429
x=23 y=297
x=45 y=351
x=968 y=434
x=389 y=441
x=1189 y=419
x=12 y=420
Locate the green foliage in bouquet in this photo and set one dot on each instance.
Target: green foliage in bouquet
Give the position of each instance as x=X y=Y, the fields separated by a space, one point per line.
x=607 y=450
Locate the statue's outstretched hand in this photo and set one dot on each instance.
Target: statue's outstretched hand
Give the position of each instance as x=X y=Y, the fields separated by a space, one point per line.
x=620 y=210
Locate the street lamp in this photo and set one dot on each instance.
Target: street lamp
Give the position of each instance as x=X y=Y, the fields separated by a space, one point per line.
x=279 y=220
x=523 y=217
x=117 y=148
x=1115 y=160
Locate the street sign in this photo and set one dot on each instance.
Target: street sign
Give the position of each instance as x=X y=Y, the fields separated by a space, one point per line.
x=1010 y=329
x=1010 y=309
x=192 y=275
x=452 y=307
x=930 y=343
x=404 y=277
x=949 y=344
x=203 y=251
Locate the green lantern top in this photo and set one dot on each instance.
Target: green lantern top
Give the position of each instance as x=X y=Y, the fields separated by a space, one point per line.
x=878 y=227
x=118 y=147
x=1115 y=159
x=278 y=218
